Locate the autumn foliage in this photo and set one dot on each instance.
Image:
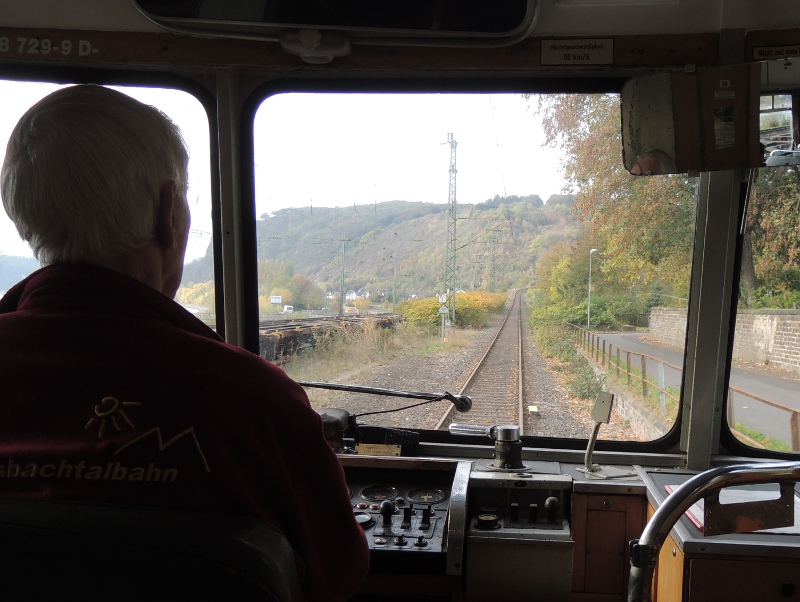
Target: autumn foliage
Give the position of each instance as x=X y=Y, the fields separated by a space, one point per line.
x=473 y=309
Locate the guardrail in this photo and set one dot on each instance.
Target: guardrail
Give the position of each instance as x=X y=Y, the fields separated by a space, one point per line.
x=609 y=357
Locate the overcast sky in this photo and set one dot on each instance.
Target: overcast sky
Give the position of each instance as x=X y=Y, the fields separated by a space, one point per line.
x=337 y=150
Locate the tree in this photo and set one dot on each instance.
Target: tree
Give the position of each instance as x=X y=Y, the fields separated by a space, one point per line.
x=771 y=254
x=645 y=225
x=305 y=293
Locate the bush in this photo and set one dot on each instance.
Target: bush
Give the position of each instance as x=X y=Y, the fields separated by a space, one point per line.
x=584 y=382
x=555 y=341
x=472 y=309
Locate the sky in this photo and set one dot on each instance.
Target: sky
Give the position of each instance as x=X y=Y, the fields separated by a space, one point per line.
x=329 y=150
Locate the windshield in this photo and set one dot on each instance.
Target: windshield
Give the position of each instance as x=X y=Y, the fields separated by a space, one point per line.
x=403 y=229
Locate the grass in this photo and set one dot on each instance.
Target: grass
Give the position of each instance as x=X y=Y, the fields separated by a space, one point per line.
x=351 y=354
x=556 y=342
x=653 y=400
x=762 y=439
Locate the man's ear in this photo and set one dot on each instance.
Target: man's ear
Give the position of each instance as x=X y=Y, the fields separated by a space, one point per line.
x=166 y=226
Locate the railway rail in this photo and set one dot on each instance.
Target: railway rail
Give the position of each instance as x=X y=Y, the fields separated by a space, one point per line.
x=496 y=383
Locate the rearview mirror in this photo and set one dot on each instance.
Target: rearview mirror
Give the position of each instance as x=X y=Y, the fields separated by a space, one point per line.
x=692 y=122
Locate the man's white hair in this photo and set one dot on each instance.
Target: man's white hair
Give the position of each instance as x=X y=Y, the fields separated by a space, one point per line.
x=83 y=173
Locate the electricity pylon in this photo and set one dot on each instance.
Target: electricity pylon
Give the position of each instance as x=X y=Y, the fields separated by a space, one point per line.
x=450 y=255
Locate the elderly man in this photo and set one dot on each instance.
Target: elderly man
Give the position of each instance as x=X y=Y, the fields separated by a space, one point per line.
x=111 y=391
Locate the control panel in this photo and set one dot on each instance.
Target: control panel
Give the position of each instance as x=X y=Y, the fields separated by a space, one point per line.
x=402 y=516
x=404 y=507
x=521 y=514
x=519 y=505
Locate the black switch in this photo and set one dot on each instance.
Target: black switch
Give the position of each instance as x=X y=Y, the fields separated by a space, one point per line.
x=426 y=518
x=533 y=515
x=407 y=511
x=513 y=514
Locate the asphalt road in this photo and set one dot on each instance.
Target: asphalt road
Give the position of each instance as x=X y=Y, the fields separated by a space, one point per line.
x=757 y=384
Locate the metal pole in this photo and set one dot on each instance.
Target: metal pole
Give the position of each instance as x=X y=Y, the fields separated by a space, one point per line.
x=341 y=284
x=589 y=302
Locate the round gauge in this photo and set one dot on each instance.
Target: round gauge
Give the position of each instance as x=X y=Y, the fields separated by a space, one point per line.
x=378 y=493
x=488 y=521
x=426 y=496
x=364 y=519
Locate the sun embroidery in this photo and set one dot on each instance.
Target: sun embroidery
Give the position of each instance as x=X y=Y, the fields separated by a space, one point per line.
x=110 y=410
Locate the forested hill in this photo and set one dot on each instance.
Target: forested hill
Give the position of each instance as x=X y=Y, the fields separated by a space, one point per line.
x=402 y=244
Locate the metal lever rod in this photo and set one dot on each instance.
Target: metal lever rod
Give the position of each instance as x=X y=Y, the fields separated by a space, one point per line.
x=473 y=430
x=463 y=403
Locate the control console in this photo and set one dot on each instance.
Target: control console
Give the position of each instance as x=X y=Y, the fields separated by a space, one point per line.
x=398 y=517
x=518 y=513
x=404 y=508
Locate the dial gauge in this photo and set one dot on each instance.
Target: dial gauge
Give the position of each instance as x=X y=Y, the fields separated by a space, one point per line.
x=378 y=493
x=426 y=495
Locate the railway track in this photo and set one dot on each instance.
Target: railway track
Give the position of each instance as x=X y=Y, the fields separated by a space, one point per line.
x=496 y=383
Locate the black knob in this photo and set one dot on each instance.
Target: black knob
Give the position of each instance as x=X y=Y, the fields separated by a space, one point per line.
x=551 y=506
x=488 y=521
x=386 y=510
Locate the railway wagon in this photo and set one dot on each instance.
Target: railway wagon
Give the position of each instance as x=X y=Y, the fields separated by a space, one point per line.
x=596 y=154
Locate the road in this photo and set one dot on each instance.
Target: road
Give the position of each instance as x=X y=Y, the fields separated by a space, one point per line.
x=757 y=383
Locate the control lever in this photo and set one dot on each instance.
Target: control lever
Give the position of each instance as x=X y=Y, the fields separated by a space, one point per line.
x=551 y=506
x=507 y=447
x=425 y=523
x=601 y=413
x=387 y=510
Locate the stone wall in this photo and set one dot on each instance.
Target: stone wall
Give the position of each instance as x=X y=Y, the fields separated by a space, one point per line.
x=668 y=325
x=763 y=337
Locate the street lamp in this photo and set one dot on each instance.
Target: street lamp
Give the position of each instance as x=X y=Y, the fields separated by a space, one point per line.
x=589 y=303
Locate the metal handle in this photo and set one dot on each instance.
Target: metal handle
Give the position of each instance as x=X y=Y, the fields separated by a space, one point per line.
x=506 y=432
x=644 y=551
x=471 y=429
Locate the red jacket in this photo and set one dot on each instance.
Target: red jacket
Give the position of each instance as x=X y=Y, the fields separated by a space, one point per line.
x=111 y=392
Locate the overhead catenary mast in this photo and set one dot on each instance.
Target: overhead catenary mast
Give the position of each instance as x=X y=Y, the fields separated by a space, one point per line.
x=450 y=255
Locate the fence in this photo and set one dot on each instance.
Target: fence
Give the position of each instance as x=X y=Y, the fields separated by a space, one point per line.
x=609 y=357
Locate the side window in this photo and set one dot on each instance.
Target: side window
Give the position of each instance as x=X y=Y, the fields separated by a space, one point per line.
x=762 y=397
x=197 y=290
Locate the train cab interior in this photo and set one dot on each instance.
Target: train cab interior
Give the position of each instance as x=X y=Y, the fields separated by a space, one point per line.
x=672 y=129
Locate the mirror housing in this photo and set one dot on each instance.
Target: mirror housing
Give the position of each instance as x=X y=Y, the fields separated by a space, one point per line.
x=318 y=31
x=692 y=122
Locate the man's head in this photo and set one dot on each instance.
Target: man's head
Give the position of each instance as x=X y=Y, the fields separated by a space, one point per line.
x=92 y=175
x=653 y=162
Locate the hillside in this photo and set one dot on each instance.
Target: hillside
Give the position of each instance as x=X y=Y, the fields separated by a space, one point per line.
x=401 y=245
x=14 y=269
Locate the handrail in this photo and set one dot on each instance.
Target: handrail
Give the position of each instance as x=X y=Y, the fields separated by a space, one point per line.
x=644 y=551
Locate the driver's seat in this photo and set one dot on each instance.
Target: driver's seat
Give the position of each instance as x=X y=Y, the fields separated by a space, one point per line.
x=83 y=551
